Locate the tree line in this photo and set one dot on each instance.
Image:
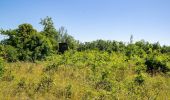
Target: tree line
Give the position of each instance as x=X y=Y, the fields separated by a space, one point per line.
x=25 y=43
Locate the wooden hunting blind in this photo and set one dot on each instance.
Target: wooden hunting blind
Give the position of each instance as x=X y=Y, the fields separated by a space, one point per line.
x=63 y=47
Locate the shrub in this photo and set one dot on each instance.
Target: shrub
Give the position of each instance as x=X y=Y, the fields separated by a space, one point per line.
x=139 y=79
x=155 y=65
x=10 y=53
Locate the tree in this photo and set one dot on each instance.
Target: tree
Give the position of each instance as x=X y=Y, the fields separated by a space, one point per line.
x=27 y=43
x=165 y=49
x=131 y=39
x=50 y=32
x=48 y=27
x=64 y=37
x=156 y=46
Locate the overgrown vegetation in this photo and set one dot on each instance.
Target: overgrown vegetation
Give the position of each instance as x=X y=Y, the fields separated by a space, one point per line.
x=32 y=68
x=1 y=67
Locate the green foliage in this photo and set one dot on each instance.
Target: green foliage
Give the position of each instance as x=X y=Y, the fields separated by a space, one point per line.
x=64 y=37
x=89 y=74
x=11 y=53
x=40 y=47
x=50 y=32
x=139 y=79
x=156 y=64
x=100 y=69
x=49 y=29
x=1 y=67
x=102 y=45
x=31 y=45
x=25 y=43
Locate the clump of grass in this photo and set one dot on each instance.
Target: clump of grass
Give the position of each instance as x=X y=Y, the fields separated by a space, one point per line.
x=51 y=68
x=46 y=82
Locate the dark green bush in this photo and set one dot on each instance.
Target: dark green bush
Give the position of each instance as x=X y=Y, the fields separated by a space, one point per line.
x=139 y=79
x=155 y=65
x=11 y=53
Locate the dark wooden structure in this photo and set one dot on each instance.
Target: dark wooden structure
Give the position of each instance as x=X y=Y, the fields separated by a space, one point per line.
x=63 y=47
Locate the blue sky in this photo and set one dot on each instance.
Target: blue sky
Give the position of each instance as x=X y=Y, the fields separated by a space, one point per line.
x=89 y=20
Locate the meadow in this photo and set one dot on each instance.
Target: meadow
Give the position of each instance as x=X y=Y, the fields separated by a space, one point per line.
x=85 y=75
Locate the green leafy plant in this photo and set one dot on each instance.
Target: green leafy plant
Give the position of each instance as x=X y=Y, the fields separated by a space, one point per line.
x=155 y=65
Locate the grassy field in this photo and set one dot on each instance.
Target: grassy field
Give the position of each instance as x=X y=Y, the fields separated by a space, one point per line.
x=88 y=75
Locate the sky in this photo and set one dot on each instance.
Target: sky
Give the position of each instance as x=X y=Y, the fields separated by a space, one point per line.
x=88 y=20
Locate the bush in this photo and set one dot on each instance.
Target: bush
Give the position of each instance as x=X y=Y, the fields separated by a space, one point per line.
x=139 y=79
x=155 y=65
x=10 y=53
